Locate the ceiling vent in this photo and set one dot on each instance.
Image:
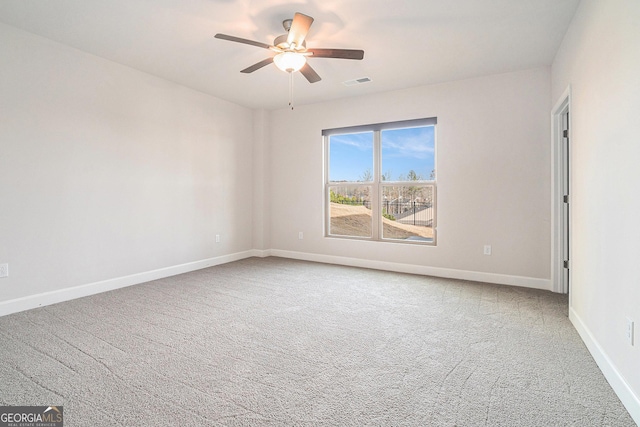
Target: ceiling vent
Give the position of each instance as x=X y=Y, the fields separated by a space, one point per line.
x=359 y=81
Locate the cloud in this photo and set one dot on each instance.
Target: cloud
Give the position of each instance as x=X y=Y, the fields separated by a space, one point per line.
x=361 y=141
x=417 y=143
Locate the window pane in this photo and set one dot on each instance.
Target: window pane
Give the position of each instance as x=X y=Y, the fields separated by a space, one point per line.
x=350 y=211
x=408 y=154
x=407 y=213
x=351 y=157
x=389 y=165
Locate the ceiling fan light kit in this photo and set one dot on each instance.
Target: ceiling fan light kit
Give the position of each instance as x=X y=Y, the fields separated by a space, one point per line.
x=291 y=50
x=290 y=61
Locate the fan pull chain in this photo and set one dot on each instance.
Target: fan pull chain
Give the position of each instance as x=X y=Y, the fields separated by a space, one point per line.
x=291 y=90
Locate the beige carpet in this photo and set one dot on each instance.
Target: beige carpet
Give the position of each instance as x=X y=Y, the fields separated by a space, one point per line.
x=275 y=342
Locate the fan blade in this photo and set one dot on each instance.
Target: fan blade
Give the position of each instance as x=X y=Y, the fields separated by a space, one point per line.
x=299 y=29
x=337 y=53
x=310 y=73
x=245 y=41
x=257 y=66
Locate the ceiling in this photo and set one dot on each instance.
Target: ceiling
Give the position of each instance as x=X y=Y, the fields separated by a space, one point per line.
x=407 y=43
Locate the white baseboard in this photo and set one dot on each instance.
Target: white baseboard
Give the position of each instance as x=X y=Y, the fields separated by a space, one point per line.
x=626 y=395
x=54 y=297
x=261 y=253
x=501 y=279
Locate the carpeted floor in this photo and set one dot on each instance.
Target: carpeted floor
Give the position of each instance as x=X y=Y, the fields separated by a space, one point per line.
x=290 y=343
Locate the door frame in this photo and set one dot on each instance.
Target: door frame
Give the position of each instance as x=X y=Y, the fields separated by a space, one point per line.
x=559 y=163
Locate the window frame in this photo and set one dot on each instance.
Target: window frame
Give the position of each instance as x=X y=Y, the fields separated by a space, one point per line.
x=377 y=184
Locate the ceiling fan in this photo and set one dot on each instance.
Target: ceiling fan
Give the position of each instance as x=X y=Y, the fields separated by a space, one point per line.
x=291 y=48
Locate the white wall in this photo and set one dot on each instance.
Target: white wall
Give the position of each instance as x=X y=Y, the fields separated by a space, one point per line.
x=107 y=172
x=600 y=59
x=493 y=165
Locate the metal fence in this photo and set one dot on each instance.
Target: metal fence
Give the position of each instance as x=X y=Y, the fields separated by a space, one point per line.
x=413 y=213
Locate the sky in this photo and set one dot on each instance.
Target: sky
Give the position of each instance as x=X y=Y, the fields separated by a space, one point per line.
x=350 y=155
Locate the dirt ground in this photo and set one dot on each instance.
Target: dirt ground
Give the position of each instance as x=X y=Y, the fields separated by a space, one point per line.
x=347 y=220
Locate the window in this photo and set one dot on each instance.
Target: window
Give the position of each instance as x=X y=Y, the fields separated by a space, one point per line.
x=380 y=181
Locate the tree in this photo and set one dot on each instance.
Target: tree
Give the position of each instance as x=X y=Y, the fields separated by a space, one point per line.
x=366 y=176
x=413 y=176
x=343 y=199
x=413 y=191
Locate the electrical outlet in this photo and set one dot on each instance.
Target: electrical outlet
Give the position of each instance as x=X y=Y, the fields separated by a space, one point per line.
x=217 y=238
x=630 y=330
x=300 y=235
x=487 y=249
x=4 y=270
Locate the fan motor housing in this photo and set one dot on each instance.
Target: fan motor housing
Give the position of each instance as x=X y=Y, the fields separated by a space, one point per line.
x=282 y=43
